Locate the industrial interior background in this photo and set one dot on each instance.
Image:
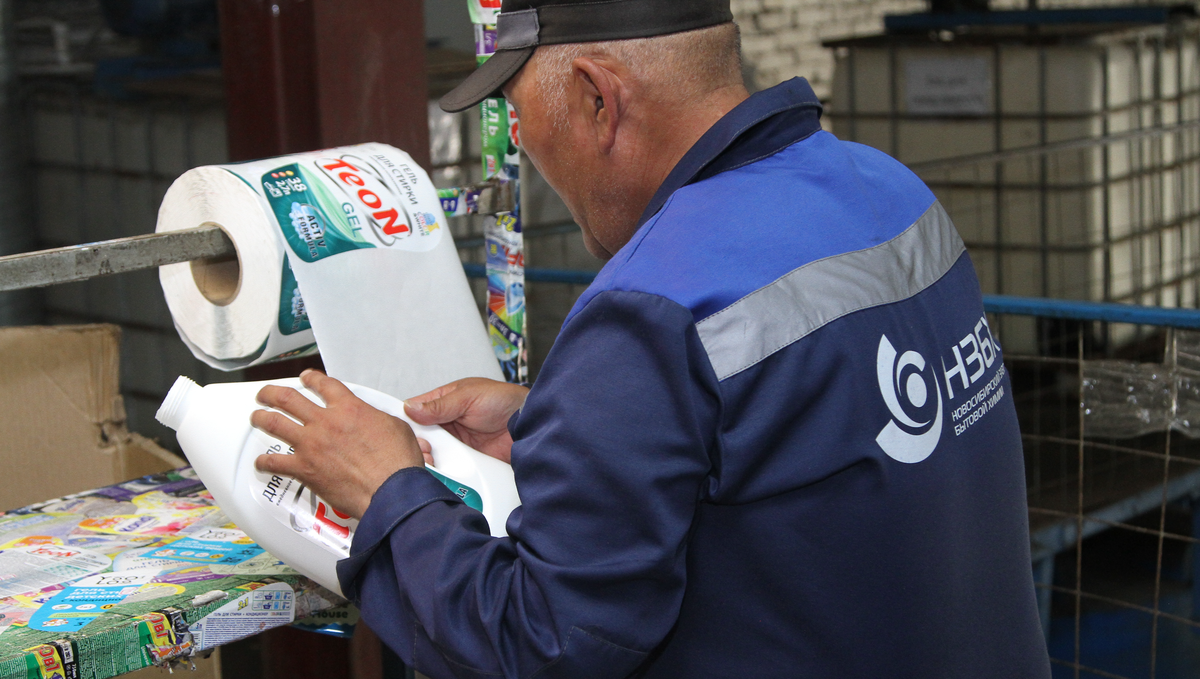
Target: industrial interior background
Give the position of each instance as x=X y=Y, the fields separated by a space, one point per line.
x=1074 y=173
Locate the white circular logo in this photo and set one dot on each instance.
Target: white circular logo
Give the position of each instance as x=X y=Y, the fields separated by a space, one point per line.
x=906 y=382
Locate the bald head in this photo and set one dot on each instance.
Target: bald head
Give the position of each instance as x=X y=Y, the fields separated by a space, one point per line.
x=673 y=68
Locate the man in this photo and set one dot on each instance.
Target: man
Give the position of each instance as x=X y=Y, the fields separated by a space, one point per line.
x=774 y=438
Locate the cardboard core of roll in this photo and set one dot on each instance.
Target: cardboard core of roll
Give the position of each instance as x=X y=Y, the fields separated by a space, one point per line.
x=218 y=278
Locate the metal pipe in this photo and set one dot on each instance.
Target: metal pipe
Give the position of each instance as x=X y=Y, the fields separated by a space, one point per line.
x=1091 y=311
x=90 y=260
x=1026 y=151
x=81 y=262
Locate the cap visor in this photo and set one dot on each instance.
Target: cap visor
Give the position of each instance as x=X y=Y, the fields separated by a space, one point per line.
x=487 y=80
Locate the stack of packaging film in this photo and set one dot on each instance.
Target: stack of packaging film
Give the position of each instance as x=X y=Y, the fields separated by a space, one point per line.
x=147 y=571
x=502 y=233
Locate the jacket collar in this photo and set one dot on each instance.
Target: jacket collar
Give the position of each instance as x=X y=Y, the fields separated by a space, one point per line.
x=762 y=125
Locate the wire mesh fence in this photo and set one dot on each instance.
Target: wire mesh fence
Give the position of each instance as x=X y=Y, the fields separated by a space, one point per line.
x=1111 y=218
x=1113 y=476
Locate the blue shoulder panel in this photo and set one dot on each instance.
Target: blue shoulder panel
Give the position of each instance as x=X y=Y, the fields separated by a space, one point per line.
x=724 y=237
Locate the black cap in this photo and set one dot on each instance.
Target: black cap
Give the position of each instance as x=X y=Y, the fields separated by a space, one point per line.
x=524 y=24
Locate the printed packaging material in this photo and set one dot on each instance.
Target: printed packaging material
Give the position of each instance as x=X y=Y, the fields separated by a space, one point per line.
x=55 y=660
x=506 y=294
x=500 y=139
x=199 y=550
x=136 y=559
x=113 y=609
x=483 y=11
x=499 y=136
x=85 y=600
x=253 y=612
x=28 y=569
x=505 y=246
x=337 y=621
x=485 y=41
x=347 y=247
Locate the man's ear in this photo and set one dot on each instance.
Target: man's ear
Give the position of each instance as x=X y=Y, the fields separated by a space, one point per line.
x=599 y=97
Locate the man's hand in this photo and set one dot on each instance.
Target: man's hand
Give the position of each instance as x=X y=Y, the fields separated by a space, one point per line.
x=475 y=410
x=344 y=451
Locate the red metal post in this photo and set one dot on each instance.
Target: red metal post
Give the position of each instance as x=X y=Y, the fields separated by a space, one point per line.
x=370 y=74
x=268 y=57
x=309 y=74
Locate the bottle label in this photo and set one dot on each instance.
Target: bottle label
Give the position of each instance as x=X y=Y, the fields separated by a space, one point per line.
x=467 y=494
x=295 y=506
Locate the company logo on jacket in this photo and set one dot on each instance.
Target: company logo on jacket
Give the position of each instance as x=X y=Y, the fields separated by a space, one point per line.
x=909 y=386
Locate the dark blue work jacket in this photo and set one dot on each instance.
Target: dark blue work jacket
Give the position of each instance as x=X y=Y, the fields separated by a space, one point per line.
x=775 y=438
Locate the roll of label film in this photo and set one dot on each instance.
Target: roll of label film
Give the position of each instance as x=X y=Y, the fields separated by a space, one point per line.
x=360 y=231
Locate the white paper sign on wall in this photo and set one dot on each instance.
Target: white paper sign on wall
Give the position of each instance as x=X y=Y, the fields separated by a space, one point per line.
x=960 y=85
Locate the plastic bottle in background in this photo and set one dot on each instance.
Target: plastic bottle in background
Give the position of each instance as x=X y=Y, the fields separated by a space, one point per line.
x=281 y=514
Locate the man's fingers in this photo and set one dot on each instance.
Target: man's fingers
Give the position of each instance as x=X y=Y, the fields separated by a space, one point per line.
x=289 y=401
x=282 y=465
x=426 y=451
x=445 y=404
x=435 y=394
x=277 y=425
x=328 y=388
x=417 y=407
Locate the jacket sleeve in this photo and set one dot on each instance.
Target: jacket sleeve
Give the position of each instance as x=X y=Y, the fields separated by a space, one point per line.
x=611 y=454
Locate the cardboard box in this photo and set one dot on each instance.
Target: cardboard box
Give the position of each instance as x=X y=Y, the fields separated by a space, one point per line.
x=62 y=423
x=62 y=420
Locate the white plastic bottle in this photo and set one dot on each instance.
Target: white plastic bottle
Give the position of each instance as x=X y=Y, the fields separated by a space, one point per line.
x=282 y=515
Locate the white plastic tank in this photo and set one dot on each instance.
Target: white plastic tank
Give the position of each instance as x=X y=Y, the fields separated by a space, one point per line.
x=280 y=514
x=1107 y=221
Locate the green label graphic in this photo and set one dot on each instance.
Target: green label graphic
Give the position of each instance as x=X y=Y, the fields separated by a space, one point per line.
x=312 y=220
x=467 y=493
x=293 y=317
x=494 y=127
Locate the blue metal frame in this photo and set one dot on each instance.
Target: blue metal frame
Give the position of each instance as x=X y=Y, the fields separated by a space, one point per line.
x=1050 y=540
x=1091 y=311
x=566 y=276
x=995 y=304
x=1054 y=538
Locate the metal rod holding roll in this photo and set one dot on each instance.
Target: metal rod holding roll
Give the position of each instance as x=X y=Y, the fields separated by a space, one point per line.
x=91 y=260
x=81 y=262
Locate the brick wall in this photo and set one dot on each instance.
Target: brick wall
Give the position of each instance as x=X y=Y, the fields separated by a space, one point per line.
x=781 y=39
